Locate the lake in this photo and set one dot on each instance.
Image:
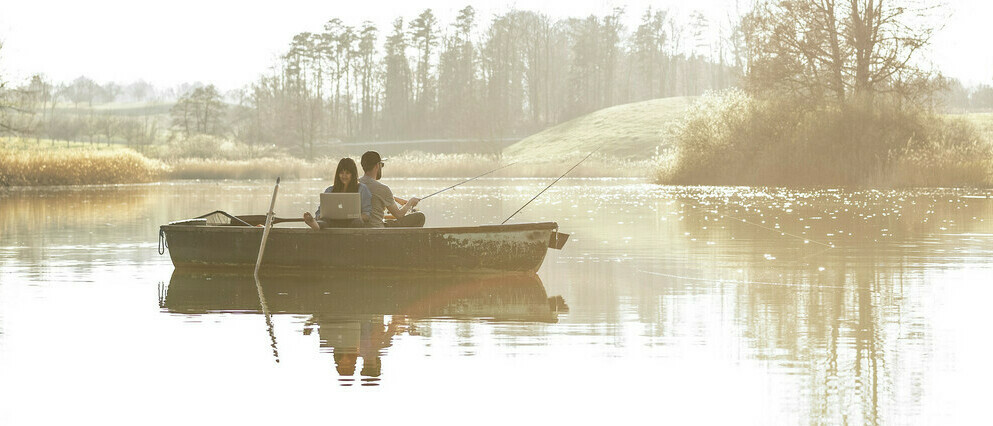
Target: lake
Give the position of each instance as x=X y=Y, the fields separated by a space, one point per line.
x=673 y=304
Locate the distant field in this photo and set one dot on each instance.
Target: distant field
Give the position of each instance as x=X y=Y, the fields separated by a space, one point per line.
x=631 y=132
x=983 y=121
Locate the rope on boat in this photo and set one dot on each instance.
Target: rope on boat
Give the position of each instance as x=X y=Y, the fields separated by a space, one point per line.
x=553 y=182
x=163 y=244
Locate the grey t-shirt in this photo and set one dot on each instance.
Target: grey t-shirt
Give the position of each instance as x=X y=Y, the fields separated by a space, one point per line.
x=381 y=195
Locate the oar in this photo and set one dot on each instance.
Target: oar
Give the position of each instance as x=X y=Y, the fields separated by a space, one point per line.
x=259 y=219
x=268 y=318
x=268 y=226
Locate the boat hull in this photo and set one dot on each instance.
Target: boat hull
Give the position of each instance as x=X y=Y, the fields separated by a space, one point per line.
x=488 y=248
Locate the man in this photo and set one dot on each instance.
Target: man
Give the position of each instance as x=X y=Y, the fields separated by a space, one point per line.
x=382 y=197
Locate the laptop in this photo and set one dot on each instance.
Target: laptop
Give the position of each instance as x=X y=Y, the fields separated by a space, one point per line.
x=341 y=205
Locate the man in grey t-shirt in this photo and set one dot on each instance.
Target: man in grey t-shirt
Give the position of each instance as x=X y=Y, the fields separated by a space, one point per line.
x=382 y=197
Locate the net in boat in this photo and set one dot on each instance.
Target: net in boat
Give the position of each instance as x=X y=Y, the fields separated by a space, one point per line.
x=221 y=218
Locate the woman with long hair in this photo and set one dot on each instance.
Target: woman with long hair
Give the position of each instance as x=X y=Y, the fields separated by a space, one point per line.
x=346 y=179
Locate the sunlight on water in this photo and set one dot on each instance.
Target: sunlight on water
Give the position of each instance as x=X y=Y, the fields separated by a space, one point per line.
x=687 y=304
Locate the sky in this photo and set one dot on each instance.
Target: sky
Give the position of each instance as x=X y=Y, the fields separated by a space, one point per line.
x=230 y=43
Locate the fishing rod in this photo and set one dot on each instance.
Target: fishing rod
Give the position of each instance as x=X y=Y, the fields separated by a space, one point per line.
x=553 y=182
x=468 y=180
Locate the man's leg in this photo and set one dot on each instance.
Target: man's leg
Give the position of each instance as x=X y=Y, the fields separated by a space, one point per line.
x=410 y=220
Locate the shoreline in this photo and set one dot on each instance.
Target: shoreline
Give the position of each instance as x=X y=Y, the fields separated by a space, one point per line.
x=83 y=166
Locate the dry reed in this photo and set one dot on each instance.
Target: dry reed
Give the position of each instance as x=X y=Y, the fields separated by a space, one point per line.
x=25 y=165
x=734 y=139
x=76 y=167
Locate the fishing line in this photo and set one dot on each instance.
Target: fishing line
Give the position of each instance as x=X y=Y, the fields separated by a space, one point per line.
x=553 y=182
x=469 y=180
x=721 y=281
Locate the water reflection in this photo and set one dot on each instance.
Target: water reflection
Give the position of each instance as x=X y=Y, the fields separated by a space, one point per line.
x=665 y=284
x=357 y=315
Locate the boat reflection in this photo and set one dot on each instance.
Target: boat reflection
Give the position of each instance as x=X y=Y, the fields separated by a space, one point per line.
x=357 y=315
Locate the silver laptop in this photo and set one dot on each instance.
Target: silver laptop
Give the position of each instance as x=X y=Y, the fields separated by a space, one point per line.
x=341 y=205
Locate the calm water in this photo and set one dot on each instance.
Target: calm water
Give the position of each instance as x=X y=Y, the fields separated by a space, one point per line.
x=731 y=305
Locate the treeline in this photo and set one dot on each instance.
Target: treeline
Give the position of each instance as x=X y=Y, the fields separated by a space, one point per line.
x=957 y=97
x=515 y=74
x=86 y=111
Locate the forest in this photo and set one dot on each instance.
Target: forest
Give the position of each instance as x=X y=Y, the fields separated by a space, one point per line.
x=477 y=78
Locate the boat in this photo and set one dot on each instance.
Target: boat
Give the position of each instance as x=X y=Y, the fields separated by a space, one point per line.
x=350 y=296
x=222 y=241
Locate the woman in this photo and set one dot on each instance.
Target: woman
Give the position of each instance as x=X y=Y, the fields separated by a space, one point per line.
x=346 y=179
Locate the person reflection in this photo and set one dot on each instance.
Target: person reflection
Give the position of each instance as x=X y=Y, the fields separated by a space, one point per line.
x=352 y=339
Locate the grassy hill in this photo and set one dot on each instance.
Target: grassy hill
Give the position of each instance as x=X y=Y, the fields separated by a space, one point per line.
x=632 y=131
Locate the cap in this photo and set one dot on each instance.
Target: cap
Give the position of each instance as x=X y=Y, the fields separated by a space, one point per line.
x=370 y=159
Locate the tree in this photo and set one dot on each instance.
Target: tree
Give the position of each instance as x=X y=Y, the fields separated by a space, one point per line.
x=199 y=112
x=982 y=97
x=366 y=63
x=109 y=92
x=842 y=49
x=396 y=83
x=649 y=53
x=424 y=38
x=458 y=77
x=82 y=90
x=4 y=103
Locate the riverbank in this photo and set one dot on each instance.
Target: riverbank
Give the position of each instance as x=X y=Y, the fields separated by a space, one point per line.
x=29 y=164
x=639 y=140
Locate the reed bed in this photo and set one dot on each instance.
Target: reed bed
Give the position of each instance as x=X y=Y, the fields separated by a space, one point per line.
x=735 y=139
x=20 y=167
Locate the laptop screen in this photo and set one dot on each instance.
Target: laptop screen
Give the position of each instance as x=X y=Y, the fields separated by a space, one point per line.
x=341 y=205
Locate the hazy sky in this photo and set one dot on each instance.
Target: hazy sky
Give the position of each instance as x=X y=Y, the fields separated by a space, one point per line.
x=229 y=43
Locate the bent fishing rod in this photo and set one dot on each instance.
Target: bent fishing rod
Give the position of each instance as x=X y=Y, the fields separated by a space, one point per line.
x=553 y=182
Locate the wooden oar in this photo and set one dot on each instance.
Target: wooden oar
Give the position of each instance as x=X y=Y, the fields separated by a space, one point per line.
x=258 y=284
x=268 y=226
x=268 y=318
x=259 y=219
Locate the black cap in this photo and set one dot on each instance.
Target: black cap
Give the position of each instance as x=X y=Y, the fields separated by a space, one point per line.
x=370 y=159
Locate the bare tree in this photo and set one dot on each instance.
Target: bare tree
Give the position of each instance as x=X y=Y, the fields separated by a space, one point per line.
x=839 y=48
x=199 y=112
